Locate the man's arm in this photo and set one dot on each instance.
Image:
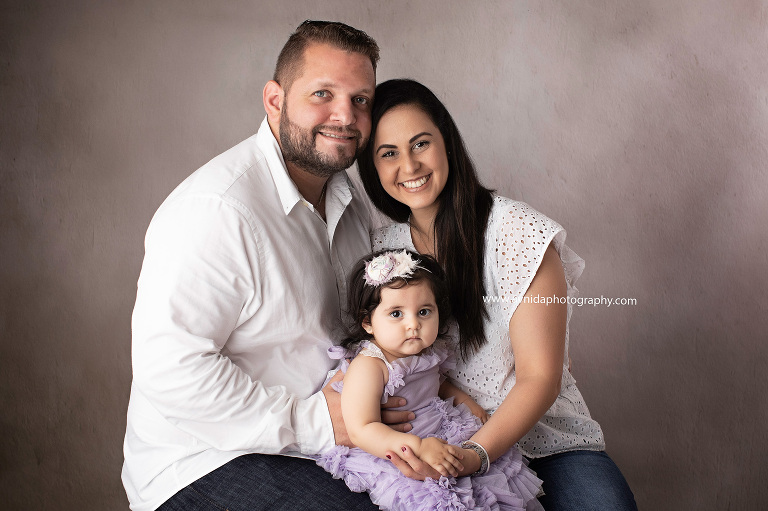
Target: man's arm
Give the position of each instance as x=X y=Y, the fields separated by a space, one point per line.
x=200 y=273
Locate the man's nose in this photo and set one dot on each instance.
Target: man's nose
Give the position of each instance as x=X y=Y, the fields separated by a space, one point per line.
x=343 y=112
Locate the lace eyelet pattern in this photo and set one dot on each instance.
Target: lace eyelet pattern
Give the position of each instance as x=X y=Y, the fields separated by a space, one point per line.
x=516 y=239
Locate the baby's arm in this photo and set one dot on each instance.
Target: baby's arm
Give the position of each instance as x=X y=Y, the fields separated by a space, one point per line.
x=361 y=408
x=448 y=389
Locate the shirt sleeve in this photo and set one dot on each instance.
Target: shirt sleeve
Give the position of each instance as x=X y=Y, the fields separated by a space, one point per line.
x=200 y=274
x=522 y=236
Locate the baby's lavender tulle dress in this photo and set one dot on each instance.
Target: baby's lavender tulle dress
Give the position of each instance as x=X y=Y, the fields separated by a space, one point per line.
x=508 y=485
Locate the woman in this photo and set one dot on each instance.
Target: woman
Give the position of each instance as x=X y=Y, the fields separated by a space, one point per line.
x=499 y=256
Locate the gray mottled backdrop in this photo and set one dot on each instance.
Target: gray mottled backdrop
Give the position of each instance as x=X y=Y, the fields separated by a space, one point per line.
x=639 y=125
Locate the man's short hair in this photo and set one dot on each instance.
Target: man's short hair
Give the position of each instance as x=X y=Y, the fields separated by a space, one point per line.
x=291 y=59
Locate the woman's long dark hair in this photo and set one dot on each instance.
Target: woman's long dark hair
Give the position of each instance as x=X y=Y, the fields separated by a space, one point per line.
x=462 y=216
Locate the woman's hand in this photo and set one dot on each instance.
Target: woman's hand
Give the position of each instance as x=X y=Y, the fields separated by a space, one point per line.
x=471 y=461
x=411 y=466
x=442 y=456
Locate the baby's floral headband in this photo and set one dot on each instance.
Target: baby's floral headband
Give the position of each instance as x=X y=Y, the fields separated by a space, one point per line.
x=388 y=266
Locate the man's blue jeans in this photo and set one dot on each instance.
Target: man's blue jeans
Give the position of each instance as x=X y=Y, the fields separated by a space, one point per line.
x=257 y=482
x=582 y=481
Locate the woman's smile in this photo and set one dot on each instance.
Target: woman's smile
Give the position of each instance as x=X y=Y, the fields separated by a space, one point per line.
x=415 y=185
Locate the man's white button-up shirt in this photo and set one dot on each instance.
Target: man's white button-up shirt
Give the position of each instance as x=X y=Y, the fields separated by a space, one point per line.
x=238 y=299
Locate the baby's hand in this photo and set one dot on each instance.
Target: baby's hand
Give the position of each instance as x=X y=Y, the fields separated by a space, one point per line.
x=477 y=410
x=441 y=456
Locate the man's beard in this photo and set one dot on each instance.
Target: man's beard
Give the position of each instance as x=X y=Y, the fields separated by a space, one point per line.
x=298 y=147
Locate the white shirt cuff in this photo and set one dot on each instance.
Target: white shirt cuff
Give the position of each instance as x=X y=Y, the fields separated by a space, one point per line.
x=314 y=429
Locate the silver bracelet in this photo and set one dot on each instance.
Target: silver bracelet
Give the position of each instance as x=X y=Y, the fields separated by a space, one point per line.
x=485 y=463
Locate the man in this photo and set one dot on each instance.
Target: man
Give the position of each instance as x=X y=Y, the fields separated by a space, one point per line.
x=239 y=296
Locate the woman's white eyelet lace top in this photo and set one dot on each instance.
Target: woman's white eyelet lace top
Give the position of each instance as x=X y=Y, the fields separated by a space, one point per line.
x=515 y=242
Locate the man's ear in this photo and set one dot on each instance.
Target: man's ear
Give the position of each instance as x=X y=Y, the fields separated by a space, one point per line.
x=273 y=100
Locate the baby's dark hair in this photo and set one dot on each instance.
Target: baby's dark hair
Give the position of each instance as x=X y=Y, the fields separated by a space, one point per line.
x=363 y=298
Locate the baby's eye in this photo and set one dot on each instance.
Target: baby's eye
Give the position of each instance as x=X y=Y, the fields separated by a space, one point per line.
x=425 y=312
x=396 y=314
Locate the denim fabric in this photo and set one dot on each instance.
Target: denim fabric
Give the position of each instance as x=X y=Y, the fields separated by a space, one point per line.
x=261 y=482
x=582 y=481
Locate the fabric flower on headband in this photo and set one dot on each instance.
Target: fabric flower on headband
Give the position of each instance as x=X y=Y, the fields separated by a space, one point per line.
x=388 y=266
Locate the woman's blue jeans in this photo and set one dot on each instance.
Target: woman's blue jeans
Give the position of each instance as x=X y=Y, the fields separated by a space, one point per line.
x=582 y=481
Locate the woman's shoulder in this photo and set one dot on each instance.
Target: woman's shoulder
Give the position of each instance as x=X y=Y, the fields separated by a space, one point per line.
x=517 y=238
x=513 y=216
x=506 y=206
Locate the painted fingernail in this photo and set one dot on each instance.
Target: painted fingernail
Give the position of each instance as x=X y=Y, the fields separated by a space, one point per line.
x=403 y=448
x=389 y=457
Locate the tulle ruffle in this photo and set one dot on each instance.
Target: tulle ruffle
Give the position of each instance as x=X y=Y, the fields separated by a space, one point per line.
x=508 y=485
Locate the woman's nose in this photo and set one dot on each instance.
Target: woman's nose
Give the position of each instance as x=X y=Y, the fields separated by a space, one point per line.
x=411 y=164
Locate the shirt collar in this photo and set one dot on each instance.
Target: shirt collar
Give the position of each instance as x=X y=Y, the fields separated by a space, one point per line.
x=337 y=197
x=286 y=189
x=338 y=193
